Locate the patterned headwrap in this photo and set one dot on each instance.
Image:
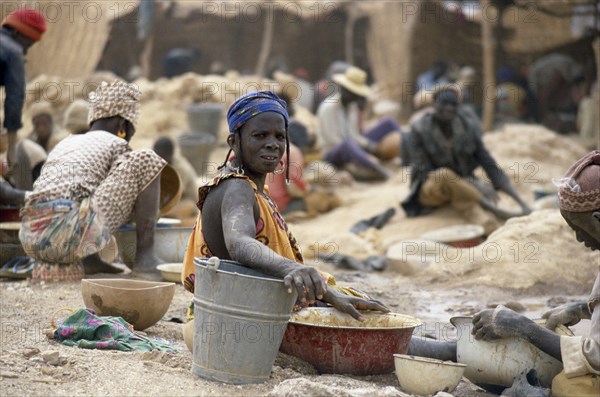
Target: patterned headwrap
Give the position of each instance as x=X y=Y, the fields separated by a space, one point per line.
x=580 y=188
x=115 y=99
x=253 y=104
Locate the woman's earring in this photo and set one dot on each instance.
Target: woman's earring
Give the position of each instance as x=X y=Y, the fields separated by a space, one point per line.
x=281 y=169
x=239 y=169
x=121 y=134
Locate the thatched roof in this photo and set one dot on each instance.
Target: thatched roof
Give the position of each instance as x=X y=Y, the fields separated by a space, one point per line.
x=76 y=35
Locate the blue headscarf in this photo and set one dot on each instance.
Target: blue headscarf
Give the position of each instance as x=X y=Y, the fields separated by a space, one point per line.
x=252 y=104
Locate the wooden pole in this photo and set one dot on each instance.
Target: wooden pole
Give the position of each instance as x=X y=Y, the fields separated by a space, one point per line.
x=351 y=17
x=146 y=56
x=489 y=78
x=267 y=41
x=596 y=45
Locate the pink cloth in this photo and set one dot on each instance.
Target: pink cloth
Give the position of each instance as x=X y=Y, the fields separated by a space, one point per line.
x=277 y=187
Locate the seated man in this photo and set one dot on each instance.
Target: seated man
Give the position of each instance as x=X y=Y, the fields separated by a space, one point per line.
x=239 y=221
x=339 y=128
x=45 y=132
x=445 y=149
x=90 y=185
x=579 y=200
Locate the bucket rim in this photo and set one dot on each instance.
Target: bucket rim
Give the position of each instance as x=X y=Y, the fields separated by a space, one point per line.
x=198 y=262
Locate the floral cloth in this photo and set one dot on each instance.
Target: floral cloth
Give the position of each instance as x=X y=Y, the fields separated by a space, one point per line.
x=62 y=231
x=86 y=330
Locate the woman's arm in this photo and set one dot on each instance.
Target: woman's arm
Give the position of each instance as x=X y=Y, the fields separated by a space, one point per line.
x=239 y=231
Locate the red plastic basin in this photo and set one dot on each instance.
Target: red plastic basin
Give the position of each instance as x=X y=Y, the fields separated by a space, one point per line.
x=333 y=342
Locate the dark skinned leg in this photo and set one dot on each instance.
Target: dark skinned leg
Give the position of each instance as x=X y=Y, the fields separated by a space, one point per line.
x=145 y=212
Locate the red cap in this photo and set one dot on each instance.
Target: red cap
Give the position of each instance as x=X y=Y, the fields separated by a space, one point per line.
x=30 y=23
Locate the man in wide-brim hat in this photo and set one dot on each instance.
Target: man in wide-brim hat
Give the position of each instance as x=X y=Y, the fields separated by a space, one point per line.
x=340 y=127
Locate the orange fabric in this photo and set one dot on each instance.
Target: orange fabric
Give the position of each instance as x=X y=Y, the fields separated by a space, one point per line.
x=271 y=230
x=277 y=188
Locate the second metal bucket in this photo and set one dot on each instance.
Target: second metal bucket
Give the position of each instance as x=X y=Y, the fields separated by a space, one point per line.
x=240 y=317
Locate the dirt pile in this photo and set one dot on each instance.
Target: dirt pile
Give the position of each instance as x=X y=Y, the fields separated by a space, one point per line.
x=535 y=253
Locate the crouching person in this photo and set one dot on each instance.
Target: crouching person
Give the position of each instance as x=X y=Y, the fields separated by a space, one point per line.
x=90 y=185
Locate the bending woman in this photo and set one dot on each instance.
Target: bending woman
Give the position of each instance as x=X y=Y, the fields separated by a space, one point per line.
x=89 y=186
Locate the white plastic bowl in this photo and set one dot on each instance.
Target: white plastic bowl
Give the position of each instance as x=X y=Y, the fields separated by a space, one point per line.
x=427 y=376
x=171 y=271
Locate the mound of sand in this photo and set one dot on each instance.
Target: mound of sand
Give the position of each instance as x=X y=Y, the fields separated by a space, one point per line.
x=534 y=253
x=532 y=154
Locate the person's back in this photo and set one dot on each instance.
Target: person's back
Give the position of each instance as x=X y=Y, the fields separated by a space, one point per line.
x=77 y=165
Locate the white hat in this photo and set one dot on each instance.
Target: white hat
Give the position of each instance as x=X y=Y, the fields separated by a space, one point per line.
x=354 y=80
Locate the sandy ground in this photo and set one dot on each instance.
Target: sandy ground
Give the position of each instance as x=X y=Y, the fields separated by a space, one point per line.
x=534 y=260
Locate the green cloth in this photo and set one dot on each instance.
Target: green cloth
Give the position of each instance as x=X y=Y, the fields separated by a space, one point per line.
x=86 y=330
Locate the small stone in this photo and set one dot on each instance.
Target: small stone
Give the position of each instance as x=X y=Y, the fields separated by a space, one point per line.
x=443 y=394
x=48 y=371
x=51 y=357
x=32 y=351
x=7 y=374
x=35 y=360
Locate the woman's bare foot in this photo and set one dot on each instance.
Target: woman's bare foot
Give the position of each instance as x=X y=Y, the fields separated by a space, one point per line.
x=146 y=262
x=93 y=264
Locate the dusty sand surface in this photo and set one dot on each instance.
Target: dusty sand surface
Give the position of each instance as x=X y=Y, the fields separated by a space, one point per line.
x=534 y=260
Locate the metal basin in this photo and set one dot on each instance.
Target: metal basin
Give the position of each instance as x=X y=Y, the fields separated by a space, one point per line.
x=334 y=342
x=169 y=243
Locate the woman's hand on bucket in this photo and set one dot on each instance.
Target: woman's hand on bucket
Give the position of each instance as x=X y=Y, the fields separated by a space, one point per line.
x=352 y=304
x=308 y=283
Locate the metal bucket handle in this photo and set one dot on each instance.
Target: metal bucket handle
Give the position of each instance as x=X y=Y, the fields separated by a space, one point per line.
x=213 y=264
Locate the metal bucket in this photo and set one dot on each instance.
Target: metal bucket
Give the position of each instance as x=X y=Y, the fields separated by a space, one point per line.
x=196 y=148
x=240 y=317
x=205 y=117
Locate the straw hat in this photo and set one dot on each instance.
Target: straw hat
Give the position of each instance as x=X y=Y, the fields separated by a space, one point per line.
x=354 y=80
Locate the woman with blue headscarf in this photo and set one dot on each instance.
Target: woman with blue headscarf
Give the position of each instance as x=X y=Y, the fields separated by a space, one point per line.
x=239 y=221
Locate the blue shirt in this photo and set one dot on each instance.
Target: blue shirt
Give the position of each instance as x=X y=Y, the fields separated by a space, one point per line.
x=12 y=77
